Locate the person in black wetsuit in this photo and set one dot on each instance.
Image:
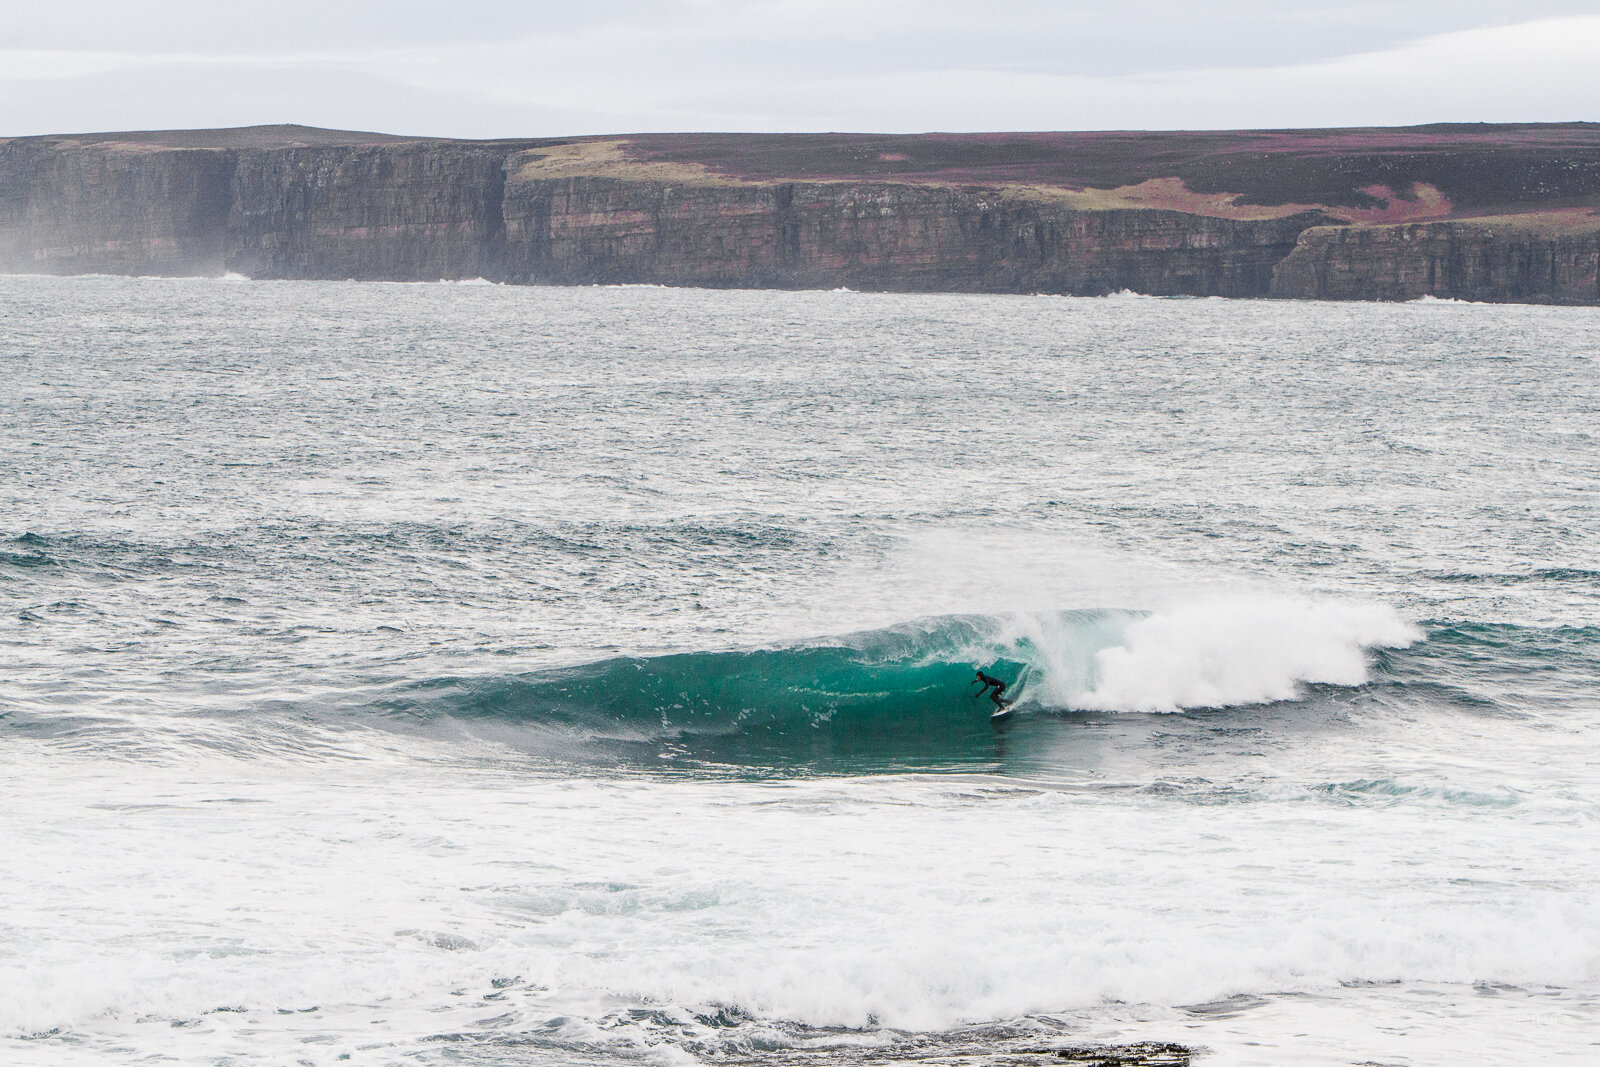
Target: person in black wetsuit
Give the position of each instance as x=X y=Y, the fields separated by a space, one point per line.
x=999 y=687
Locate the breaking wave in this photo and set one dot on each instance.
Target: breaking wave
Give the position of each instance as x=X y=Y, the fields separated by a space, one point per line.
x=918 y=677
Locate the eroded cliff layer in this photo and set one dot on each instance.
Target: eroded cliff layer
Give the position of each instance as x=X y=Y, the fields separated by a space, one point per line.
x=112 y=208
x=1475 y=212
x=877 y=236
x=1549 y=258
x=422 y=210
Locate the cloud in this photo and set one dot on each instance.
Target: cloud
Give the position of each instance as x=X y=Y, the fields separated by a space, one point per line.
x=594 y=78
x=246 y=94
x=1542 y=71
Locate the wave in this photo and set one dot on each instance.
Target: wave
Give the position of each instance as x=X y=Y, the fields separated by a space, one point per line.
x=30 y=543
x=1543 y=574
x=919 y=677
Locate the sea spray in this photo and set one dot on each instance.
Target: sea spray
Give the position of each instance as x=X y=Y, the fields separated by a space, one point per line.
x=1247 y=650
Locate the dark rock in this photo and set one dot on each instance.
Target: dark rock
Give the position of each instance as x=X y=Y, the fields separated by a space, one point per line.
x=112 y=208
x=1529 y=259
x=414 y=211
x=973 y=1054
x=879 y=235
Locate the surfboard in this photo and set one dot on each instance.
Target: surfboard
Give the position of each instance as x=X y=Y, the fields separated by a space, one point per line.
x=1002 y=713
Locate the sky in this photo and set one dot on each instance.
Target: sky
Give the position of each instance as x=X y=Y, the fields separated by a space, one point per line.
x=528 y=68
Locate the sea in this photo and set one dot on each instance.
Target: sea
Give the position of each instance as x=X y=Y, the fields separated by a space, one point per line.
x=466 y=674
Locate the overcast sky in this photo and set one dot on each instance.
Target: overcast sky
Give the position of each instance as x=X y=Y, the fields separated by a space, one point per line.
x=527 y=68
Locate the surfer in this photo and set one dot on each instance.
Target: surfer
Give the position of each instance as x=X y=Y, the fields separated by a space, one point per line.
x=999 y=687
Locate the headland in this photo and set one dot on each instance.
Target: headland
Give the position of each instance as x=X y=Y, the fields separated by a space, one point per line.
x=1472 y=212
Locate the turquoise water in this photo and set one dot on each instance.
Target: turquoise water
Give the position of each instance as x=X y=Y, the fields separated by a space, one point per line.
x=476 y=674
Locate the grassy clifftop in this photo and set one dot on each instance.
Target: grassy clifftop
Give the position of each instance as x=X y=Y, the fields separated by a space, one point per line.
x=1474 y=168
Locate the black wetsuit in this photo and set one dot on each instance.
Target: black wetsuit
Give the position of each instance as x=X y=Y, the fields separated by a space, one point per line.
x=999 y=687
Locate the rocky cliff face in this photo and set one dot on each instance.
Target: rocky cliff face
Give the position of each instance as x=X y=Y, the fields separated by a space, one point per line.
x=112 y=208
x=1058 y=213
x=1534 y=259
x=417 y=210
x=413 y=211
x=877 y=236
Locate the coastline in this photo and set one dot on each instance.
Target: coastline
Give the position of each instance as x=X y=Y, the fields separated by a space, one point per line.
x=1492 y=213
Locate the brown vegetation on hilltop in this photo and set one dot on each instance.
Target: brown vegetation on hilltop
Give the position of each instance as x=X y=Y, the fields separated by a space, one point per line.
x=1476 y=168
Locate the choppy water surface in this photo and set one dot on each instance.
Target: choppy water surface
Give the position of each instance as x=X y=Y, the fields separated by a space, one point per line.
x=454 y=674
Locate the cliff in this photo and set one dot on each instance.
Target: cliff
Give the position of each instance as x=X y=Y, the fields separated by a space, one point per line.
x=420 y=210
x=113 y=209
x=1474 y=212
x=876 y=236
x=1549 y=258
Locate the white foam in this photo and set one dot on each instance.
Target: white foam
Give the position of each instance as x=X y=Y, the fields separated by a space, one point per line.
x=1243 y=650
x=393 y=903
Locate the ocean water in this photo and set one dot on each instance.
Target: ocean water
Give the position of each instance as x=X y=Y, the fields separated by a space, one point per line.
x=458 y=675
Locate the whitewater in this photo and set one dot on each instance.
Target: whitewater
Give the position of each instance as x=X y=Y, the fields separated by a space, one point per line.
x=472 y=674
